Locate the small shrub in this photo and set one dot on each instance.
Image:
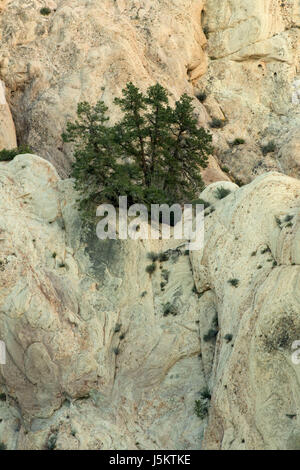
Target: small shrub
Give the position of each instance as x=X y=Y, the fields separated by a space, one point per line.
x=222 y=192
x=234 y=282
x=278 y=222
x=217 y=123
x=2 y=397
x=201 y=409
x=163 y=257
x=289 y=224
x=151 y=268
x=238 y=141
x=2 y=446
x=116 y=351
x=274 y=264
x=54 y=255
x=45 y=11
x=201 y=201
x=210 y=335
x=170 y=309
x=61 y=265
x=144 y=293
x=268 y=148
x=288 y=218
x=228 y=337
x=225 y=169
x=122 y=336
x=253 y=253
x=152 y=256
x=202 y=97
x=7 y=155
x=117 y=327
x=165 y=274
x=265 y=250
x=205 y=394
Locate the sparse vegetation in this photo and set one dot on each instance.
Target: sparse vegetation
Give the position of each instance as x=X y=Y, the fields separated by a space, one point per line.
x=202 y=97
x=7 y=155
x=163 y=257
x=222 y=192
x=205 y=394
x=117 y=327
x=152 y=256
x=228 y=337
x=238 y=141
x=2 y=397
x=268 y=148
x=278 y=222
x=201 y=409
x=217 y=123
x=201 y=201
x=2 y=446
x=165 y=274
x=170 y=309
x=151 y=268
x=45 y=11
x=210 y=335
x=234 y=282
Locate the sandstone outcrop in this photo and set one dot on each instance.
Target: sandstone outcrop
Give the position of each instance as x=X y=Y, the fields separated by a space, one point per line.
x=243 y=55
x=102 y=355
x=8 y=138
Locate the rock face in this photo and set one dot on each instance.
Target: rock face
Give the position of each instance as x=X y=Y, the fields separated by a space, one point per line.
x=246 y=61
x=91 y=346
x=102 y=355
x=253 y=81
x=7 y=128
x=86 y=50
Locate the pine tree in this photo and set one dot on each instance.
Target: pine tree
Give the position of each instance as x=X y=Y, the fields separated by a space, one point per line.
x=152 y=155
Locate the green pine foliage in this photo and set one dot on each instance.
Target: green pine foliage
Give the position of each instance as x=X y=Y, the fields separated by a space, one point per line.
x=152 y=155
x=9 y=154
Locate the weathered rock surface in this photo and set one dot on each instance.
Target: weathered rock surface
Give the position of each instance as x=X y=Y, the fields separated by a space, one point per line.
x=8 y=138
x=100 y=355
x=252 y=81
x=247 y=63
x=86 y=50
x=85 y=329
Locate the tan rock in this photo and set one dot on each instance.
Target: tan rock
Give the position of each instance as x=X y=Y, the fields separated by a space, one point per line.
x=7 y=128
